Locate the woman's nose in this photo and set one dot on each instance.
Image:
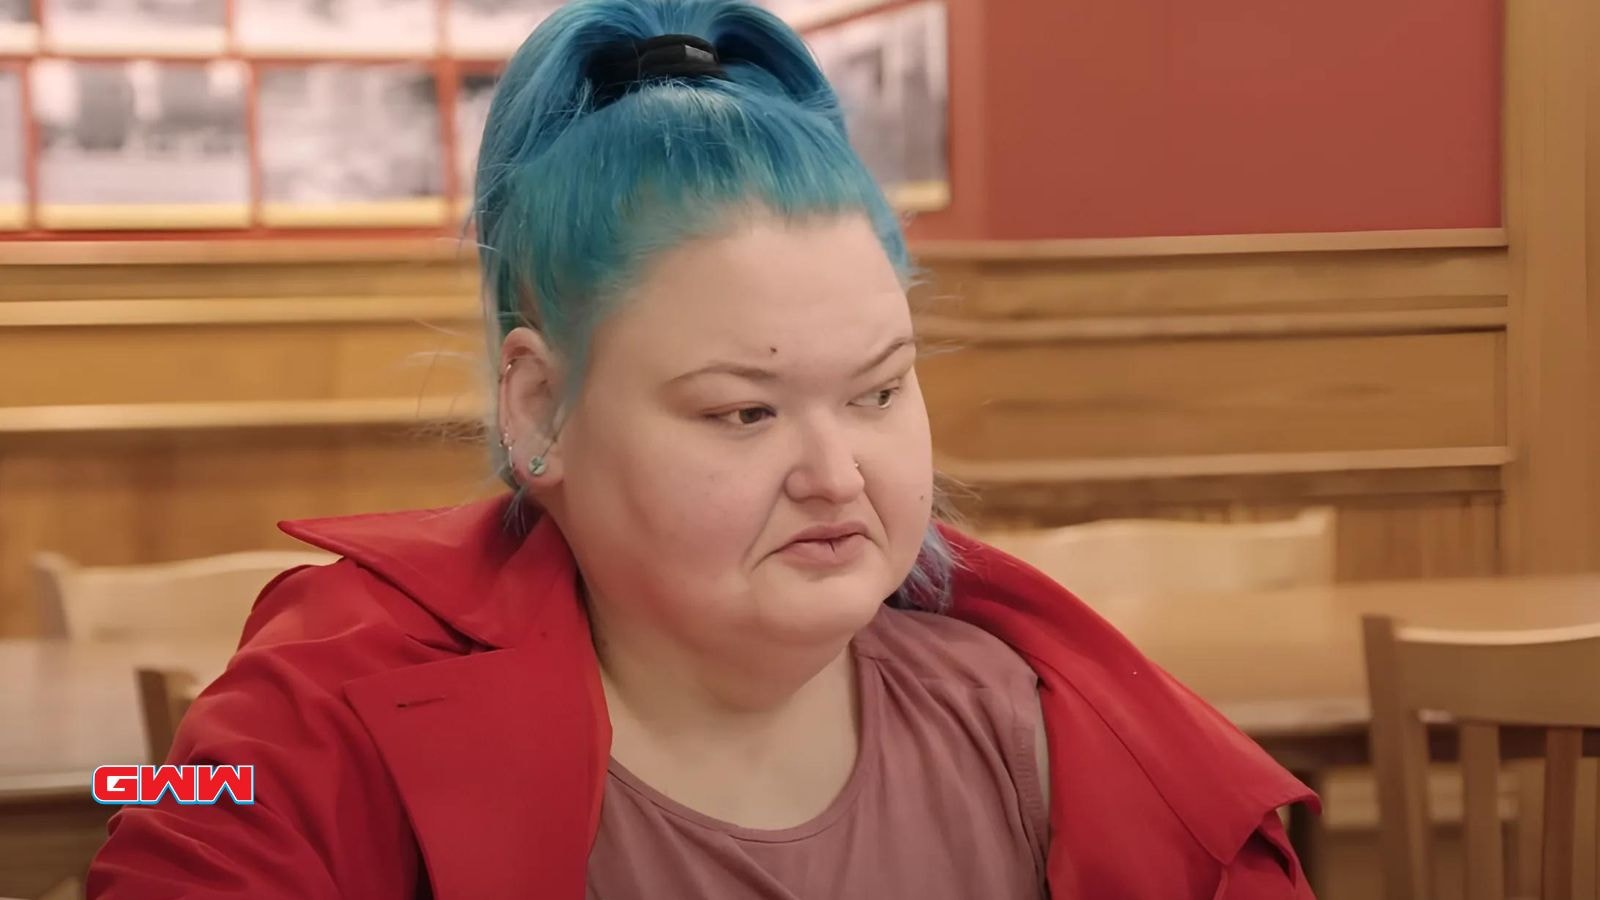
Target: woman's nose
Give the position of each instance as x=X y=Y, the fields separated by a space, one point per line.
x=826 y=469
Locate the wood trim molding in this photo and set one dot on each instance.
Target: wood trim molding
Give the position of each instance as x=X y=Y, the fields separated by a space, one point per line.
x=1067 y=500
x=1033 y=472
x=1114 y=328
x=1207 y=245
x=446 y=249
x=23 y=421
x=242 y=311
x=235 y=252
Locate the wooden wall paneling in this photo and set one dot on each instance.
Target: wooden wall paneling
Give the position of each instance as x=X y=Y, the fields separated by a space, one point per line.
x=1098 y=399
x=258 y=362
x=161 y=406
x=197 y=399
x=1329 y=281
x=185 y=350
x=1428 y=536
x=177 y=281
x=127 y=498
x=1552 y=510
x=417 y=270
x=1057 y=493
x=1422 y=523
x=1231 y=378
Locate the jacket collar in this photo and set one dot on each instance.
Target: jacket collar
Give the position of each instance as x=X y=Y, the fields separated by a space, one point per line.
x=461 y=563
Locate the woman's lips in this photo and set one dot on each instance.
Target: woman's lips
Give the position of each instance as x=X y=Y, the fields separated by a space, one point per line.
x=825 y=554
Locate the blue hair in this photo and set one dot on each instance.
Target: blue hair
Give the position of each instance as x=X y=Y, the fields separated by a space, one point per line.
x=576 y=195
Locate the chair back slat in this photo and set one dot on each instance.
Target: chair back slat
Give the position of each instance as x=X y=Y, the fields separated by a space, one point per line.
x=1399 y=747
x=1480 y=774
x=1596 y=849
x=1527 y=856
x=1563 y=750
x=164 y=696
x=1528 y=851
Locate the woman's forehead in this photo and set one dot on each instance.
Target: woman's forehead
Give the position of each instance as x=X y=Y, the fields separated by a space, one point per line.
x=767 y=288
x=822 y=339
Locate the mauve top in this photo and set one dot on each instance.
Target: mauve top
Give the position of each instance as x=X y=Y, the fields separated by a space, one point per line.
x=944 y=801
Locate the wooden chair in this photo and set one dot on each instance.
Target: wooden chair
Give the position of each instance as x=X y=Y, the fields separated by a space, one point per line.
x=1117 y=559
x=192 y=598
x=1487 y=684
x=164 y=696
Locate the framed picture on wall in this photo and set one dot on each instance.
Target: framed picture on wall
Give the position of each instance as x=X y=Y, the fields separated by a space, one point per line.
x=473 y=94
x=337 y=27
x=141 y=144
x=493 y=29
x=19 y=27
x=350 y=144
x=890 y=72
x=13 y=175
x=157 y=27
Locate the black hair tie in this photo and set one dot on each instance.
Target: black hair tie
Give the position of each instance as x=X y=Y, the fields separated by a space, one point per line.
x=619 y=66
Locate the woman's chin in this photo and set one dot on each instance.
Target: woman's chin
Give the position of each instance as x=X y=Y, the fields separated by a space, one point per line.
x=828 y=610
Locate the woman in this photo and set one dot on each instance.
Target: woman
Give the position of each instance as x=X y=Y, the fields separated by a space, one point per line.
x=714 y=645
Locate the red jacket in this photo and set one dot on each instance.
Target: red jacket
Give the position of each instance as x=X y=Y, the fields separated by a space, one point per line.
x=428 y=711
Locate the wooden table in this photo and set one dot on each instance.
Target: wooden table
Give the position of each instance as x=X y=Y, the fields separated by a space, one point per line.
x=1286 y=666
x=66 y=708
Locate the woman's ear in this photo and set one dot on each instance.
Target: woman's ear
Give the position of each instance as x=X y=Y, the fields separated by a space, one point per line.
x=530 y=395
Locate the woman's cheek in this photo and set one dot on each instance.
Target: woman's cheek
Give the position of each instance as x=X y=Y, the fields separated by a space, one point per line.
x=912 y=507
x=904 y=498
x=716 y=503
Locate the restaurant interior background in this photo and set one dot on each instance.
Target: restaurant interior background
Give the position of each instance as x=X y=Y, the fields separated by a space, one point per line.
x=1221 y=262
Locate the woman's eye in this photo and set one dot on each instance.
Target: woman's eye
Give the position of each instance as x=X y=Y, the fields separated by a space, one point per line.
x=749 y=415
x=882 y=398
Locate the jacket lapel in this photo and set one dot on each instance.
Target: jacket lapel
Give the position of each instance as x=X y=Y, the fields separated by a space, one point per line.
x=499 y=755
x=495 y=756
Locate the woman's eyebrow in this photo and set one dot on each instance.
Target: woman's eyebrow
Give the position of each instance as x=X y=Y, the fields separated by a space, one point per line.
x=759 y=374
x=891 y=349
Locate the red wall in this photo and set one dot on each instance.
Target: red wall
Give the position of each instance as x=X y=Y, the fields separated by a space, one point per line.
x=1113 y=118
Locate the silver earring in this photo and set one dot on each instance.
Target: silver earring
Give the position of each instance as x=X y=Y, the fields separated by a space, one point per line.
x=536 y=466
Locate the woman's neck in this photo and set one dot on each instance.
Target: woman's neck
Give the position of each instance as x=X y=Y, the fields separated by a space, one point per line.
x=764 y=738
